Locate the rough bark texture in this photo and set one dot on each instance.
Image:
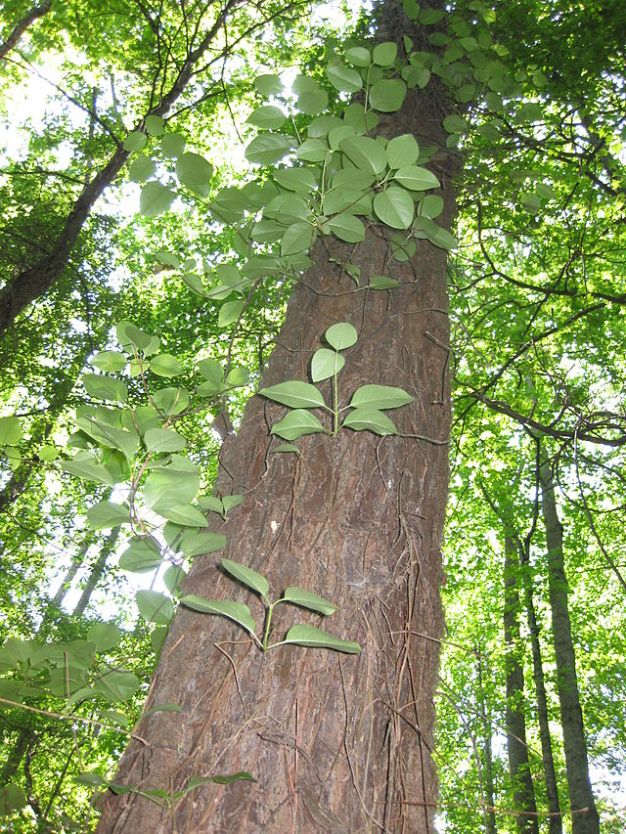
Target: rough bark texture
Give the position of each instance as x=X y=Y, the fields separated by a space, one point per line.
x=517 y=747
x=543 y=718
x=337 y=743
x=585 y=818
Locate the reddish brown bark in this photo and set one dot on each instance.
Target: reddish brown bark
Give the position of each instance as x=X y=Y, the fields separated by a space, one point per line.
x=337 y=743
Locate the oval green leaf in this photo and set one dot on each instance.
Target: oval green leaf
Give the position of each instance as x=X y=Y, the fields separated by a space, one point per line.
x=305 y=599
x=295 y=394
x=250 y=578
x=395 y=208
x=236 y=611
x=296 y=424
x=380 y=396
x=341 y=335
x=370 y=419
x=325 y=363
x=316 y=638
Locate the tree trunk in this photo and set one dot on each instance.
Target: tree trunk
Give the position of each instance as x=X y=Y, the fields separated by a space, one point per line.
x=585 y=818
x=517 y=747
x=552 y=790
x=336 y=743
x=97 y=571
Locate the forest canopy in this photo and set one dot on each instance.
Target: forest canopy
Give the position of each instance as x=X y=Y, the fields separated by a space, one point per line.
x=312 y=416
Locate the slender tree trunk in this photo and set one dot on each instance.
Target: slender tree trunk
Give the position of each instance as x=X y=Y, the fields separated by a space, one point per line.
x=97 y=571
x=22 y=25
x=336 y=743
x=488 y=777
x=517 y=747
x=35 y=281
x=585 y=818
x=552 y=790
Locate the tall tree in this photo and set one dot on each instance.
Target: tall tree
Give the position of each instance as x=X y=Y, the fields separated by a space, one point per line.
x=585 y=818
x=334 y=743
x=517 y=746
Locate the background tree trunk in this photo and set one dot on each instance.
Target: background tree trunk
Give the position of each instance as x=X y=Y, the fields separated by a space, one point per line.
x=585 y=818
x=543 y=718
x=517 y=747
x=337 y=743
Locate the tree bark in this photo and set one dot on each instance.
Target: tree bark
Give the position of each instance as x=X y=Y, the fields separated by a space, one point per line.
x=35 y=281
x=336 y=743
x=97 y=571
x=585 y=818
x=552 y=791
x=22 y=25
x=489 y=789
x=515 y=720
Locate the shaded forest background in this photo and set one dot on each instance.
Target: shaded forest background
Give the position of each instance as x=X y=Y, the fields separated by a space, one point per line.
x=530 y=697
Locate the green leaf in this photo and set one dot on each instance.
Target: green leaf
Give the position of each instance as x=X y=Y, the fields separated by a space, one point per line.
x=12 y=798
x=117 y=684
x=105 y=515
x=48 y=453
x=387 y=95
x=416 y=178
x=325 y=363
x=172 y=482
x=384 y=54
x=141 y=555
x=343 y=78
x=212 y=371
x=300 y=180
x=341 y=335
x=237 y=377
x=199 y=544
x=155 y=199
x=10 y=431
x=298 y=596
x=229 y=502
x=286 y=447
x=171 y=401
x=312 y=102
x=110 y=360
x=236 y=611
x=85 y=465
x=268 y=84
x=241 y=775
x=105 y=387
x=380 y=396
x=311 y=637
x=346 y=227
x=173 y=577
x=268 y=148
x=455 y=124
x=297 y=238
x=369 y=419
x=155 y=125
x=382 y=282
x=104 y=635
x=173 y=145
x=295 y=394
x=296 y=424
x=195 y=172
x=313 y=150
x=135 y=141
x=430 y=206
x=425 y=228
x=394 y=207
x=267 y=117
x=230 y=312
x=367 y=154
x=141 y=169
x=155 y=607
x=164 y=364
x=401 y=151
x=358 y=56
x=164 y=440
x=185 y=514
x=247 y=576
